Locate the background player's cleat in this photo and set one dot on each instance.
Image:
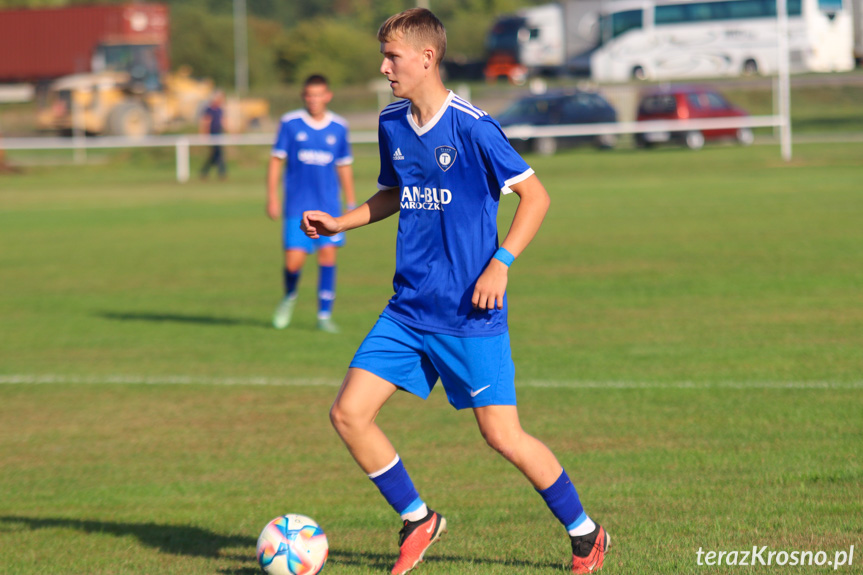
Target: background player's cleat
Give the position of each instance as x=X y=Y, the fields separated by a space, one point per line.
x=588 y=552
x=283 y=314
x=328 y=325
x=415 y=538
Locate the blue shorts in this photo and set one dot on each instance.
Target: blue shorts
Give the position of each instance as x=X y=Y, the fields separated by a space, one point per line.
x=294 y=238
x=475 y=371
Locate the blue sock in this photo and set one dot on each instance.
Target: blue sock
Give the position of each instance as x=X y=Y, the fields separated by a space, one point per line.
x=397 y=488
x=326 y=290
x=291 y=281
x=563 y=501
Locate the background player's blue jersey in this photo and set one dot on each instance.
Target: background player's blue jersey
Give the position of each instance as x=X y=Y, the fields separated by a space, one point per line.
x=450 y=174
x=312 y=150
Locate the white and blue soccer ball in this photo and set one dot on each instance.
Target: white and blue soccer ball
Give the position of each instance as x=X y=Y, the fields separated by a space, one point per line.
x=292 y=545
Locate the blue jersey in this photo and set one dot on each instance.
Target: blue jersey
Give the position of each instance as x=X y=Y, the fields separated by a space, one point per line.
x=312 y=150
x=450 y=175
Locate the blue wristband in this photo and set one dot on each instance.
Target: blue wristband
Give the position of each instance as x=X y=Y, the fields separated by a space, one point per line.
x=503 y=256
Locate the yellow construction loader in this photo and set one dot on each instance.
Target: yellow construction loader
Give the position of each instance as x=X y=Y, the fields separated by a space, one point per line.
x=111 y=103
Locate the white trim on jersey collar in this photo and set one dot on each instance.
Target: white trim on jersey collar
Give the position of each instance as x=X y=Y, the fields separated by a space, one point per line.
x=431 y=123
x=315 y=124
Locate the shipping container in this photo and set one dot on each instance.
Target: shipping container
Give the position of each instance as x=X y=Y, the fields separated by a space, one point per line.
x=37 y=45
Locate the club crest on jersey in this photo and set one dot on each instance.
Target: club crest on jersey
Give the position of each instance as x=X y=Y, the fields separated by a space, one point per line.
x=445 y=156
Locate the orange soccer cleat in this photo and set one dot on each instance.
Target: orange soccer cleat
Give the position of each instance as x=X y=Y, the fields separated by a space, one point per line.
x=415 y=538
x=589 y=552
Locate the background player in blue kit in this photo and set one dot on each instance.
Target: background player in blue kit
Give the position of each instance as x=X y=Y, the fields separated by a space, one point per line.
x=444 y=166
x=314 y=142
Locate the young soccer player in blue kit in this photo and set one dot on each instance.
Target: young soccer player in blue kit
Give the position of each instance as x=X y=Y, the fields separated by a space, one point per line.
x=314 y=142
x=444 y=166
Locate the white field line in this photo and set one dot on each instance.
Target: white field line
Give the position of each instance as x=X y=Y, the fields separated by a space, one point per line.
x=37 y=379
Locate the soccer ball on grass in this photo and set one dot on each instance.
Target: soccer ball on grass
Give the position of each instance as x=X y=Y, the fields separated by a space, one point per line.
x=292 y=545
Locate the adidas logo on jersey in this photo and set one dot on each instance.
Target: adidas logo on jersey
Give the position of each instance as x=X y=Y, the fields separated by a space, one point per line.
x=397 y=155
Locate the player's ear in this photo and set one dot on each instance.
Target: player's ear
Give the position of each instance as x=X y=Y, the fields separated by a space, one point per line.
x=428 y=58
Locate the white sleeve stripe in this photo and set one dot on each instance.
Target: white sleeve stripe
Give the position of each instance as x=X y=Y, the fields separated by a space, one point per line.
x=465 y=110
x=280 y=154
x=515 y=180
x=384 y=187
x=397 y=104
x=467 y=104
x=479 y=111
x=345 y=161
x=395 y=107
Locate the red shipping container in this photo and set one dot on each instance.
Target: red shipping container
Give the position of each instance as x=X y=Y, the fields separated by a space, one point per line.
x=42 y=44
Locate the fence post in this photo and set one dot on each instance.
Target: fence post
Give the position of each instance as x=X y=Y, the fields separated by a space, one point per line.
x=182 y=160
x=784 y=82
x=79 y=134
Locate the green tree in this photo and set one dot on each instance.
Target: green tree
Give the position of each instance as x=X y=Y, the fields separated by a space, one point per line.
x=345 y=54
x=204 y=42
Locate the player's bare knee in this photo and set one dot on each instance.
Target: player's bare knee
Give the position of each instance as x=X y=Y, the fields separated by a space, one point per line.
x=505 y=449
x=499 y=442
x=346 y=421
x=338 y=419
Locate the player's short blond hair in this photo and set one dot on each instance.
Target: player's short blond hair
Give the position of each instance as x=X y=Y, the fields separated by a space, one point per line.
x=419 y=28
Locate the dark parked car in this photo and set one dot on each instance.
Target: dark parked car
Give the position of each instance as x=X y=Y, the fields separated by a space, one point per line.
x=560 y=107
x=689 y=102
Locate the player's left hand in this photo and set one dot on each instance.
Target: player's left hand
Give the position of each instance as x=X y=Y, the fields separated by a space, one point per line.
x=491 y=286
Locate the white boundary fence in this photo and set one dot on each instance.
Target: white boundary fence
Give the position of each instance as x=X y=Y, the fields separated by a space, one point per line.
x=526 y=132
x=183 y=143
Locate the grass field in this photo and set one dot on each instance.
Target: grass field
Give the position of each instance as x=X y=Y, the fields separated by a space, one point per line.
x=687 y=330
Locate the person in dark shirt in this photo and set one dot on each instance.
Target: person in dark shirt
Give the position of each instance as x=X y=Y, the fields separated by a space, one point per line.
x=212 y=123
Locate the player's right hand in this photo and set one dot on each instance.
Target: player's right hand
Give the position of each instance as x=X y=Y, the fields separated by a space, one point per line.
x=316 y=224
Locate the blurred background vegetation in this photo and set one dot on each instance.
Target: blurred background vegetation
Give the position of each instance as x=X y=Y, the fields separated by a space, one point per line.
x=288 y=40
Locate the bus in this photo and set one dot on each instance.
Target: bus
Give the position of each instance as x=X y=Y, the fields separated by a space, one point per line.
x=671 y=39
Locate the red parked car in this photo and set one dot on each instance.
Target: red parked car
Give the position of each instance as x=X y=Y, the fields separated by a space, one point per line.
x=689 y=102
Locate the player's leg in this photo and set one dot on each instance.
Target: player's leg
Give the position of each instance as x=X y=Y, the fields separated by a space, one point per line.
x=500 y=427
x=297 y=246
x=219 y=153
x=294 y=260
x=353 y=415
x=390 y=357
x=478 y=373
x=326 y=287
x=205 y=169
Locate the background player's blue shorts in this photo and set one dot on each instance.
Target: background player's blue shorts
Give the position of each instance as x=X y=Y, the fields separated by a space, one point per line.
x=293 y=238
x=475 y=371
